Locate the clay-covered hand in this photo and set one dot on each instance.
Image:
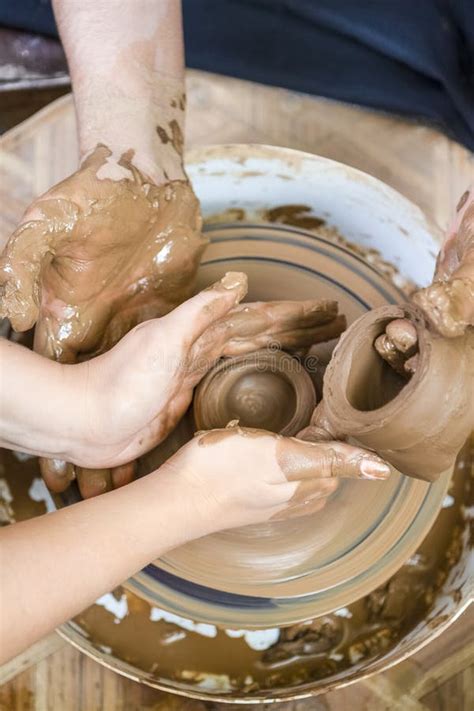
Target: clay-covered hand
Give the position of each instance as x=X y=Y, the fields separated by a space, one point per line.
x=398 y=346
x=133 y=396
x=448 y=303
x=95 y=256
x=240 y=476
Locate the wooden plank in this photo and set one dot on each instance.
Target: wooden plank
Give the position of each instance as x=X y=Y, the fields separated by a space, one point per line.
x=31 y=656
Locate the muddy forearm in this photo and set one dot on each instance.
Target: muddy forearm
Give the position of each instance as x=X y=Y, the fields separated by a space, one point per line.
x=94 y=546
x=127 y=68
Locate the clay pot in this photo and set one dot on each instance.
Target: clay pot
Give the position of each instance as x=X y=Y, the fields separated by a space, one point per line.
x=267 y=389
x=419 y=425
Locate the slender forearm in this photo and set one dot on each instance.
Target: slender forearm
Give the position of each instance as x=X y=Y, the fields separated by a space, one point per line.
x=126 y=61
x=56 y=565
x=41 y=403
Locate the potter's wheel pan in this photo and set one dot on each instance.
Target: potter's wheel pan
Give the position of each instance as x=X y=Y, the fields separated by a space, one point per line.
x=236 y=183
x=283 y=572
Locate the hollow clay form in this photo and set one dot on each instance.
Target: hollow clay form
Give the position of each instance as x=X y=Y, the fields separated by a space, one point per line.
x=267 y=389
x=418 y=425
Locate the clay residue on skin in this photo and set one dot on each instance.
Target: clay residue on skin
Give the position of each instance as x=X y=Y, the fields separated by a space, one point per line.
x=398 y=346
x=178 y=651
x=387 y=350
x=233 y=429
x=320 y=314
x=95 y=257
x=143 y=243
x=286 y=325
x=403 y=335
x=175 y=136
x=300 y=459
x=303 y=459
x=449 y=305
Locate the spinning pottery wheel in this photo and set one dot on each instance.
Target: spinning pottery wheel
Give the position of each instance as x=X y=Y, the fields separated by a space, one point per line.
x=174 y=624
x=287 y=571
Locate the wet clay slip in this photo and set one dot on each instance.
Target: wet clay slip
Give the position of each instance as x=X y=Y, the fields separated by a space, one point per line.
x=269 y=390
x=417 y=425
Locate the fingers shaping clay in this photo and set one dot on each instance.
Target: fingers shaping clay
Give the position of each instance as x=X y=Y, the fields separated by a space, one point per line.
x=417 y=425
x=268 y=389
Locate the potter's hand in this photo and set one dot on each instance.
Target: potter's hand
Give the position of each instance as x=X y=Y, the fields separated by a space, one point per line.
x=119 y=241
x=106 y=411
x=398 y=346
x=143 y=386
x=240 y=476
x=448 y=304
x=95 y=256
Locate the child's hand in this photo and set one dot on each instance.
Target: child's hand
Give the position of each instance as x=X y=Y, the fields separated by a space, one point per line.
x=239 y=476
x=133 y=396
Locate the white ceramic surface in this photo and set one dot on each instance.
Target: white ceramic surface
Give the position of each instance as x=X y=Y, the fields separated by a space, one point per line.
x=365 y=210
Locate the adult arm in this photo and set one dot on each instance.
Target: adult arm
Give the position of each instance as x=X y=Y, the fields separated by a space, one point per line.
x=126 y=61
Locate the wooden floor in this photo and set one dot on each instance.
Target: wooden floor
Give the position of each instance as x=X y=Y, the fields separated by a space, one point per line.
x=429 y=169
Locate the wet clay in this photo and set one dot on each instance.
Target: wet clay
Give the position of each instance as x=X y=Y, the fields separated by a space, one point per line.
x=286 y=559
x=306 y=459
x=94 y=257
x=287 y=325
x=448 y=303
x=266 y=389
x=398 y=346
x=458 y=294
x=97 y=256
x=298 y=460
x=125 y=628
x=301 y=216
x=296 y=215
x=417 y=425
